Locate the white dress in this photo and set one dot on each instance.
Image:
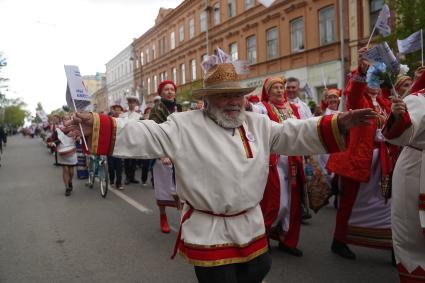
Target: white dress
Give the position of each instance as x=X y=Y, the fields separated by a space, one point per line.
x=408 y=186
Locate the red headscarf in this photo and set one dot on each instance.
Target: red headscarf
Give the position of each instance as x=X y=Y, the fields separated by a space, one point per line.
x=268 y=83
x=164 y=83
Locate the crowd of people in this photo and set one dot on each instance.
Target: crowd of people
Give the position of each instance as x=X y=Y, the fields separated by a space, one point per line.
x=243 y=168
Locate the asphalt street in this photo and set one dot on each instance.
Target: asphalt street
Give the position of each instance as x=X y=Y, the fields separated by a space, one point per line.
x=47 y=237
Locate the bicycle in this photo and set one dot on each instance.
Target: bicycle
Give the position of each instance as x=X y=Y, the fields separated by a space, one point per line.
x=98 y=169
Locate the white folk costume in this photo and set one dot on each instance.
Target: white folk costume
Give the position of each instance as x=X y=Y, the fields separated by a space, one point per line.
x=303 y=108
x=408 y=201
x=220 y=173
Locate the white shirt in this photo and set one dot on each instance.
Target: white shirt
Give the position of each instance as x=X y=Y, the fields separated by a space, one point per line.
x=303 y=108
x=131 y=115
x=213 y=171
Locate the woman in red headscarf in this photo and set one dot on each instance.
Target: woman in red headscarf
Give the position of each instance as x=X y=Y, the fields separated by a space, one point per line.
x=163 y=170
x=283 y=194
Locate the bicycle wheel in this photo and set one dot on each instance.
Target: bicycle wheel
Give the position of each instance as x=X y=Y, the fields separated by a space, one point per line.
x=103 y=178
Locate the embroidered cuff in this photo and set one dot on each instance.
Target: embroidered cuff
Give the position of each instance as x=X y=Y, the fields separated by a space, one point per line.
x=103 y=136
x=329 y=134
x=394 y=128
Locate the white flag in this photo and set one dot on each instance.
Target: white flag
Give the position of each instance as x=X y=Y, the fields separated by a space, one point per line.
x=382 y=53
x=241 y=67
x=411 y=44
x=222 y=56
x=266 y=3
x=76 y=94
x=308 y=91
x=42 y=115
x=382 y=21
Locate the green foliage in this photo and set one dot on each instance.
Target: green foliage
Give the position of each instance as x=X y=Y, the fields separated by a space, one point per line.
x=15 y=116
x=409 y=18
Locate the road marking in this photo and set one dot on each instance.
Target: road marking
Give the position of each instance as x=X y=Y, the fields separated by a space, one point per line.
x=173 y=229
x=132 y=202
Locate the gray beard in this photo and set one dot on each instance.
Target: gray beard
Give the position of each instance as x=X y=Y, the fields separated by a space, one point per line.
x=218 y=116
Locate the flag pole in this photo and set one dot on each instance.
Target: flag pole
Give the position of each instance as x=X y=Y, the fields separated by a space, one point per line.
x=371 y=34
x=81 y=127
x=422 y=44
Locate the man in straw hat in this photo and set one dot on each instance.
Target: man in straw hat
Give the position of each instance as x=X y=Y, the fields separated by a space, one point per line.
x=221 y=157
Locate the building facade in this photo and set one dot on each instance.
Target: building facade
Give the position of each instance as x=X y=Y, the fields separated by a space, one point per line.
x=99 y=100
x=299 y=38
x=94 y=82
x=119 y=76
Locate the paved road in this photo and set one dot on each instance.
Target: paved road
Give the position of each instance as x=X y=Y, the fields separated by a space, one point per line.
x=45 y=237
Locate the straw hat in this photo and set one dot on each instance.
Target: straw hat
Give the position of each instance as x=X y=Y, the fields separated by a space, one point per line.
x=221 y=79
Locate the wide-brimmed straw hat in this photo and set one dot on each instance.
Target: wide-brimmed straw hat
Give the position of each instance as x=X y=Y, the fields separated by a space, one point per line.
x=221 y=79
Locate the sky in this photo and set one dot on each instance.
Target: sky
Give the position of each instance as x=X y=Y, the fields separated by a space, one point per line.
x=39 y=37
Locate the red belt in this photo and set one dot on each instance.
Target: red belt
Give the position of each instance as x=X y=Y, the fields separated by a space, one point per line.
x=188 y=214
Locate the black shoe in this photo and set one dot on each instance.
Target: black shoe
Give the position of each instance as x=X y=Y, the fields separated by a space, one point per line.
x=68 y=192
x=134 y=182
x=289 y=250
x=342 y=250
x=70 y=186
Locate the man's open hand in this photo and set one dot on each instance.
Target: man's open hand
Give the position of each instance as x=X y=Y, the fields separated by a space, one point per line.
x=354 y=118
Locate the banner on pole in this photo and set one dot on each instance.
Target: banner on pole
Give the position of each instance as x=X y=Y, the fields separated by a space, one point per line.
x=410 y=44
x=382 y=22
x=308 y=91
x=42 y=115
x=76 y=94
x=382 y=53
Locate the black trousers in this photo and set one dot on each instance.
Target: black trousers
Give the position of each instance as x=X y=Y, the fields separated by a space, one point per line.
x=253 y=271
x=130 y=168
x=145 y=169
x=115 y=170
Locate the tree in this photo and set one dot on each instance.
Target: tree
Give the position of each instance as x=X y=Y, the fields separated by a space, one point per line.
x=3 y=81
x=409 y=18
x=15 y=116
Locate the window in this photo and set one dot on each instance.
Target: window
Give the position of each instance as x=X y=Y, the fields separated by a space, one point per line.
x=137 y=64
x=153 y=52
x=216 y=14
x=183 y=74
x=142 y=59
x=249 y=4
x=272 y=43
x=251 y=49
x=162 y=43
x=231 y=7
x=191 y=28
x=327 y=25
x=181 y=33
x=233 y=50
x=297 y=35
x=203 y=21
x=172 y=40
x=174 y=71
x=375 y=7
x=155 y=82
x=147 y=55
x=161 y=77
x=193 y=70
x=148 y=83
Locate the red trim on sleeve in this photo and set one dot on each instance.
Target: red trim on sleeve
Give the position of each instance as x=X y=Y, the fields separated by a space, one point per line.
x=393 y=129
x=105 y=133
x=330 y=134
